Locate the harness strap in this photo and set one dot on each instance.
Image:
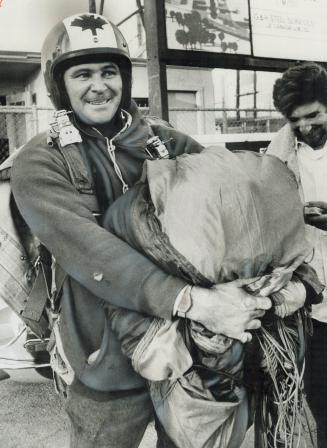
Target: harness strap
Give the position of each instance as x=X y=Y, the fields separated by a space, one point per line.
x=58 y=279
x=79 y=175
x=35 y=305
x=77 y=167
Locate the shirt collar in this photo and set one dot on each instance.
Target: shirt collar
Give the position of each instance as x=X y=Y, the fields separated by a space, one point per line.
x=299 y=144
x=309 y=151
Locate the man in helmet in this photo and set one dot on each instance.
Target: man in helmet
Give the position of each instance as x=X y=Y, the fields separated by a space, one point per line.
x=87 y=71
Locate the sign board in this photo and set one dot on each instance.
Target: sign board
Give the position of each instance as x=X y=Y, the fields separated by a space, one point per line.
x=271 y=29
x=208 y=25
x=289 y=29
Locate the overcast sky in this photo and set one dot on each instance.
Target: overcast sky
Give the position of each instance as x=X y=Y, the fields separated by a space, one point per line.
x=25 y=23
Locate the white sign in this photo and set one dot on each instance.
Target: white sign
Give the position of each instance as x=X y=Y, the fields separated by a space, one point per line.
x=220 y=26
x=289 y=29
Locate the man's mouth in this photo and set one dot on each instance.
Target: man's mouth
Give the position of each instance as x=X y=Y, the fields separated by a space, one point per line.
x=315 y=138
x=98 y=102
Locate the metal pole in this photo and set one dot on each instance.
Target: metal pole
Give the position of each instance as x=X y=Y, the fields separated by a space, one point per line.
x=140 y=8
x=92 y=6
x=101 y=7
x=154 y=17
x=35 y=119
x=127 y=17
x=238 y=116
x=255 y=94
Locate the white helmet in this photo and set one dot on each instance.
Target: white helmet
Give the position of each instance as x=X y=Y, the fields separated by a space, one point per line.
x=78 y=39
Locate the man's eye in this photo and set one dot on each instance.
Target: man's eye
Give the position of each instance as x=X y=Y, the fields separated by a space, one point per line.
x=109 y=73
x=82 y=75
x=293 y=119
x=312 y=115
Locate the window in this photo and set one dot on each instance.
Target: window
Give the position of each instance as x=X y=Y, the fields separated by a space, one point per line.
x=141 y=102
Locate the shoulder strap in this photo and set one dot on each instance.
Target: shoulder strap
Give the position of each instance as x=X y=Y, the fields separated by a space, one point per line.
x=66 y=137
x=79 y=173
x=77 y=167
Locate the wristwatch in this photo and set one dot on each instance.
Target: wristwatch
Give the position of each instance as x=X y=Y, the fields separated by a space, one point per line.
x=185 y=303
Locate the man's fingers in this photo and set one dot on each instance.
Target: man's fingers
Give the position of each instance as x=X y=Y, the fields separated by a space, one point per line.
x=262 y=303
x=249 y=303
x=318 y=221
x=319 y=204
x=257 y=313
x=254 y=324
x=245 y=281
x=244 y=337
x=256 y=303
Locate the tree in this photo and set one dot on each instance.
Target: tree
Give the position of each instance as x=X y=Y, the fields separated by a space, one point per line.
x=221 y=35
x=205 y=22
x=204 y=36
x=182 y=38
x=193 y=22
x=224 y=47
x=193 y=38
x=179 y=18
x=233 y=46
x=213 y=9
x=212 y=38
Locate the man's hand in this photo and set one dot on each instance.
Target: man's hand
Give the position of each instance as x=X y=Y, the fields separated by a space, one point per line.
x=315 y=214
x=228 y=309
x=290 y=298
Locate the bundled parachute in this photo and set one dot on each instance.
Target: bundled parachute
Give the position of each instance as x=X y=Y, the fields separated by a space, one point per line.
x=210 y=218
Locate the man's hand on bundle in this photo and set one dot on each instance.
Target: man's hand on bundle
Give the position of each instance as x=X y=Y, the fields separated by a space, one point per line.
x=289 y=299
x=228 y=309
x=315 y=214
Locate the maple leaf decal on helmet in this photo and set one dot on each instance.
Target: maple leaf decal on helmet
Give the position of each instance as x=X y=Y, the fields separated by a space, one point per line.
x=89 y=23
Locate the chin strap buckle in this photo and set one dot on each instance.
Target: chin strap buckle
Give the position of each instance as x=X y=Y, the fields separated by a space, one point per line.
x=63 y=128
x=156 y=148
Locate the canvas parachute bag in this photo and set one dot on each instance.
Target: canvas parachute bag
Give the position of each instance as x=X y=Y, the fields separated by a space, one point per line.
x=30 y=281
x=23 y=270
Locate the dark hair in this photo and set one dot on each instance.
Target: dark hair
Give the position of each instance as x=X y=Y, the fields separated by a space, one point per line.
x=301 y=84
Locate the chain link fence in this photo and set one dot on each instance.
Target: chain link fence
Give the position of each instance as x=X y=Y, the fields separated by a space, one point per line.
x=225 y=121
x=19 y=124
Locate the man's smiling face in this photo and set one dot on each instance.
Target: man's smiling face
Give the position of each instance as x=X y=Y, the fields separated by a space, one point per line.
x=309 y=124
x=94 y=91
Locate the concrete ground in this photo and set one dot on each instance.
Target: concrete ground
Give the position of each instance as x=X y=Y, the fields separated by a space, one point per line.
x=31 y=416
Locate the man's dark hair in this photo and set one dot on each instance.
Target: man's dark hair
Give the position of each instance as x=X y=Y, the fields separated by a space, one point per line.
x=301 y=84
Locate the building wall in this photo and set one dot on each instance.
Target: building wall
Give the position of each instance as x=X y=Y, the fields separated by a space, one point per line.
x=197 y=81
x=37 y=91
x=193 y=82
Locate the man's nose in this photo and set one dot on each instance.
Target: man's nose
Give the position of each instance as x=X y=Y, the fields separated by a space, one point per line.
x=98 y=84
x=304 y=127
